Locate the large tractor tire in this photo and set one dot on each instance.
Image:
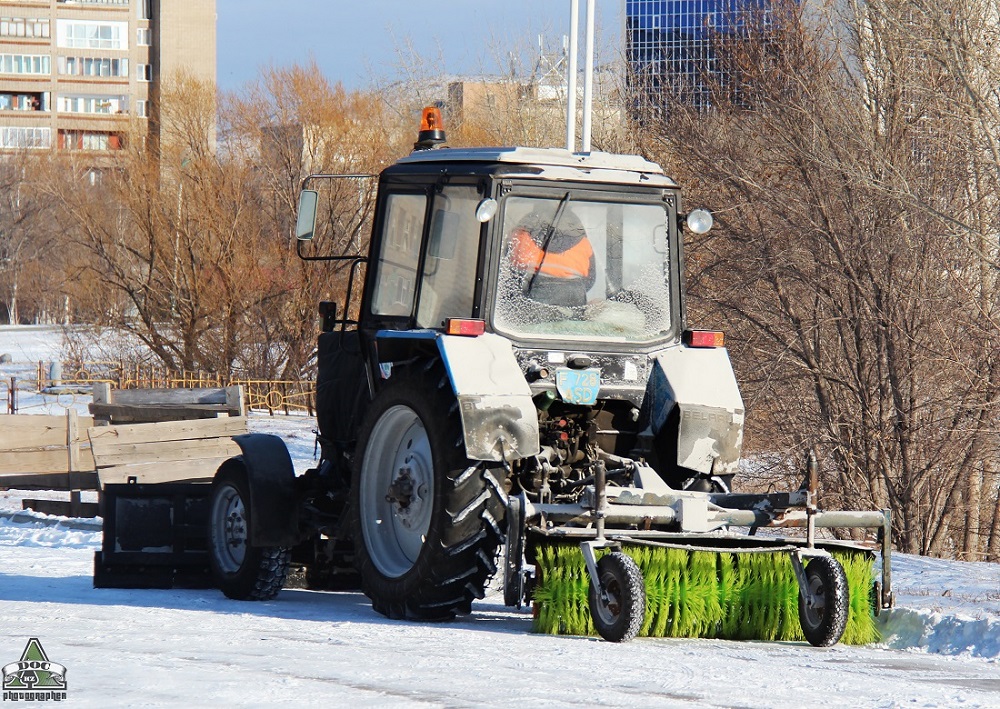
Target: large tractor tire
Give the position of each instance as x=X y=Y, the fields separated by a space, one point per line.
x=241 y=571
x=426 y=520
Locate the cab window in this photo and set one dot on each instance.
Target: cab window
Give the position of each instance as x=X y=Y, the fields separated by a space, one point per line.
x=449 y=278
x=399 y=254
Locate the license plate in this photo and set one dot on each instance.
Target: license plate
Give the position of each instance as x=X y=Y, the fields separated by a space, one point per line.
x=578 y=386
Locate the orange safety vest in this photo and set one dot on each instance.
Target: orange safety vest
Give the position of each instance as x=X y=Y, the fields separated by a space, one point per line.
x=571 y=263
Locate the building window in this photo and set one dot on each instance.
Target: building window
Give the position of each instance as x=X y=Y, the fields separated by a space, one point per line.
x=145 y=9
x=93 y=66
x=143 y=36
x=25 y=137
x=142 y=108
x=105 y=105
x=25 y=64
x=93 y=2
x=144 y=72
x=23 y=102
x=92 y=35
x=24 y=27
x=88 y=140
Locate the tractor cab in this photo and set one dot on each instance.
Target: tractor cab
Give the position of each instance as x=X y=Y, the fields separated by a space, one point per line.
x=572 y=261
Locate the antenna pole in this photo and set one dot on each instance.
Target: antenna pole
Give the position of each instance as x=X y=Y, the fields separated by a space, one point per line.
x=588 y=77
x=574 y=31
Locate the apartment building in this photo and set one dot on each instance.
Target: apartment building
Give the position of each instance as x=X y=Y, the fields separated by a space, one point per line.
x=73 y=73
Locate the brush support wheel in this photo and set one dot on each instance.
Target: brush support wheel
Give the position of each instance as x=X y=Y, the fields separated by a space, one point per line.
x=825 y=602
x=618 y=606
x=513 y=560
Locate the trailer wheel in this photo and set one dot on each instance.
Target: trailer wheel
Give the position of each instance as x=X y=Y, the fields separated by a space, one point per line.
x=425 y=519
x=824 y=605
x=241 y=571
x=618 y=607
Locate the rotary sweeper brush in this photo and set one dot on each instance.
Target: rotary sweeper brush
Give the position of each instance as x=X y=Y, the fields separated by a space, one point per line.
x=511 y=370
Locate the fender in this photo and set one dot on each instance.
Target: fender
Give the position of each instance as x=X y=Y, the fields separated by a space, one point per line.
x=273 y=502
x=701 y=384
x=499 y=420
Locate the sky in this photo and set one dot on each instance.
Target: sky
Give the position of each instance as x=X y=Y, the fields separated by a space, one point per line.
x=359 y=43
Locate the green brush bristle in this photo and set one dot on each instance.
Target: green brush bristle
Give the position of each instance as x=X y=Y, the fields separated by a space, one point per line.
x=697 y=594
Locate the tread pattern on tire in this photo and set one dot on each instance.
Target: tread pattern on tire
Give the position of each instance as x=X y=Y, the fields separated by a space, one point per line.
x=630 y=620
x=837 y=597
x=460 y=554
x=271 y=573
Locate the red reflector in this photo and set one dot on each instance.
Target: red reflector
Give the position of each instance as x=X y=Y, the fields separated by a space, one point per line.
x=706 y=338
x=462 y=326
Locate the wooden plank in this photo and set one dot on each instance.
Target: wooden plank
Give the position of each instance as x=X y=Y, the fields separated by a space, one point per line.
x=26 y=431
x=72 y=440
x=29 y=432
x=63 y=508
x=42 y=461
x=165 y=451
x=101 y=392
x=159 y=397
x=177 y=471
x=166 y=431
x=128 y=413
x=54 y=481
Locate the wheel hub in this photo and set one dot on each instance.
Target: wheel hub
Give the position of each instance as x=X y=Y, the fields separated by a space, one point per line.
x=401 y=491
x=230 y=529
x=406 y=495
x=236 y=524
x=397 y=492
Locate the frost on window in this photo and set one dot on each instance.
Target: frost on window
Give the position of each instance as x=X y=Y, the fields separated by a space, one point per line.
x=584 y=269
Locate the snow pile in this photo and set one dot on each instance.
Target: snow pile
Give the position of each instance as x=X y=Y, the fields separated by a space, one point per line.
x=944 y=607
x=932 y=631
x=29 y=528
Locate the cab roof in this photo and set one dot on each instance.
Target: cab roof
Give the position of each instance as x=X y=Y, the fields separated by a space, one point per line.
x=552 y=163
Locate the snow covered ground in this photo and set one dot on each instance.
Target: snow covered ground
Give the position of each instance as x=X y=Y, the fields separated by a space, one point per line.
x=941 y=644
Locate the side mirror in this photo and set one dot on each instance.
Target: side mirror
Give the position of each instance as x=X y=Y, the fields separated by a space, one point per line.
x=305 y=224
x=700 y=221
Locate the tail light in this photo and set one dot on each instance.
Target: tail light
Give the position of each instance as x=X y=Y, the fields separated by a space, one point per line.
x=704 y=338
x=464 y=326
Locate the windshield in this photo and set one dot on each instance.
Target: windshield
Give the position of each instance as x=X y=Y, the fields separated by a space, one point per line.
x=583 y=268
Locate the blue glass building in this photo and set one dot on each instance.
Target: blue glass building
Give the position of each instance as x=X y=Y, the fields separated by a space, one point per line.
x=672 y=47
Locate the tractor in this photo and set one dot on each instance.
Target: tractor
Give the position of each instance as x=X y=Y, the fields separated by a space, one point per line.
x=510 y=367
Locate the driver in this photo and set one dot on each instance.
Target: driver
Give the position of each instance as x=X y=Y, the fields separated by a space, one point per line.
x=557 y=264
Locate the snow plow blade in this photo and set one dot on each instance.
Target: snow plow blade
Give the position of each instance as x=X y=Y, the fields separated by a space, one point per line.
x=154 y=536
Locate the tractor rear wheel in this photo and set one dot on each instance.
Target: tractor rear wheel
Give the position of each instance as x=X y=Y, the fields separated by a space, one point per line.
x=241 y=571
x=426 y=520
x=824 y=605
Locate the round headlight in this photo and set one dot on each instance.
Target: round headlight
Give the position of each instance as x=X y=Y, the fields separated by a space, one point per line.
x=700 y=220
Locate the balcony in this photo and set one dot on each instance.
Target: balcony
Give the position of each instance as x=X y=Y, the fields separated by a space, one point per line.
x=29 y=102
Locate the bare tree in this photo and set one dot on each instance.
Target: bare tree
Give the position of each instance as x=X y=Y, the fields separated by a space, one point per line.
x=25 y=241
x=840 y=172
